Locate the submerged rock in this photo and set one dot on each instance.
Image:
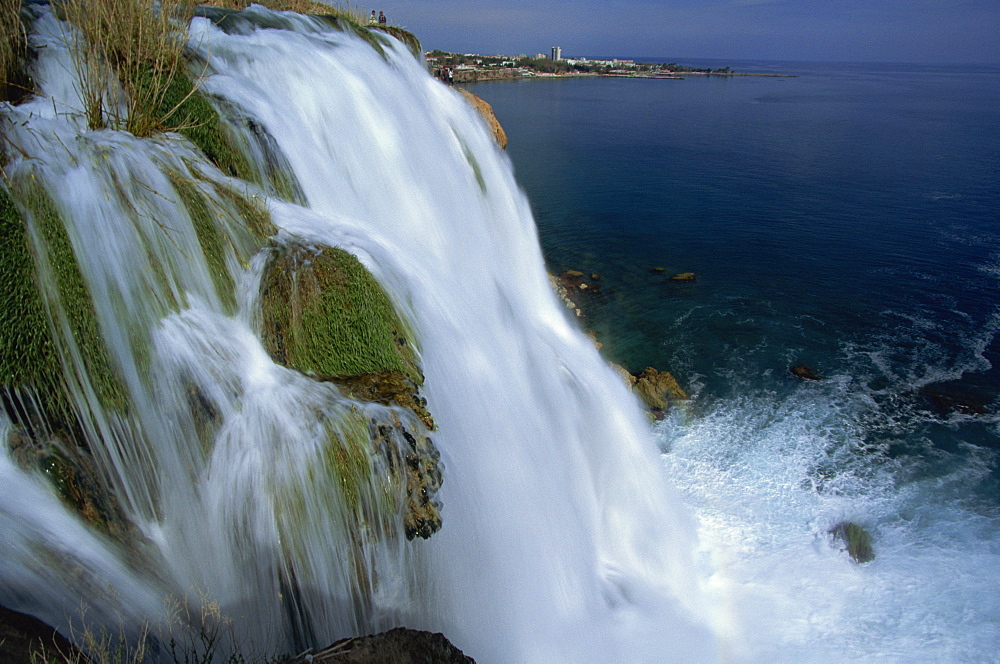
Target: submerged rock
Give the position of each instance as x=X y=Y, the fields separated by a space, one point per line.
x=804 y=372
x=563 y=294
x=399 y=646
x=684 y=276
x=947 y=399
x=856 y=541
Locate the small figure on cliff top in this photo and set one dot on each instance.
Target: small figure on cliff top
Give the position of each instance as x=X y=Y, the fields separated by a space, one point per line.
x=372 y=20
x=381 y=18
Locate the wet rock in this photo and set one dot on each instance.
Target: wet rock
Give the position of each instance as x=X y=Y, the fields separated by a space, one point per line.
x=625 y=375
x=25 y=639
x=595 y=276
x=399 y=646
x=573 y=274
x=413 y=459
x=684 y=276
x=658 y=389
x=658 y=270
x=855 y=540
x=804 y=372
x=563 y=294
x=486 y=111
x=388 y=387
x=71 y=470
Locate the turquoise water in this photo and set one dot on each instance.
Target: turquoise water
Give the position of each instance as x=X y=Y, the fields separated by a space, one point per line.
x=845 y=218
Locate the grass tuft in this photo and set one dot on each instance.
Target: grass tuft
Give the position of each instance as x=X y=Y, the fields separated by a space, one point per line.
x=139 y=42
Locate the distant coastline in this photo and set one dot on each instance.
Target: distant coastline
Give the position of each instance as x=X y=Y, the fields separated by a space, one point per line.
x=471 y=67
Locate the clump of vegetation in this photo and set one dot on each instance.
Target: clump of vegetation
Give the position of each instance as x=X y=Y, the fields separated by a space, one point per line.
x=297 y=6
x=404 y=36
x=253 y=212
x=182 y=108
x=324 y=314
x=856 y=540
x=211 y=238
x=139 y=41
x=37 y=398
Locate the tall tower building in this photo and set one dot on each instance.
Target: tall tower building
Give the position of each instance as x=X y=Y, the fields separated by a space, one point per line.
x=557 y=53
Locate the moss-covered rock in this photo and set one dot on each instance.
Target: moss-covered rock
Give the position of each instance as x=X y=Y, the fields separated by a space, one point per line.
x=70 y=469
x=34 y=361
x=404 y=36
x=186 y=110
x=27 y=354
x=325 y=315
x=31 y=355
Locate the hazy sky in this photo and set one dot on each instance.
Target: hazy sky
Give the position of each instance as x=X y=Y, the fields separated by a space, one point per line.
x=840 y=30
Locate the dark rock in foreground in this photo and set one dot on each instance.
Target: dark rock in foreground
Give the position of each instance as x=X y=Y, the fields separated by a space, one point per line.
x=857 y=541
x=398 y=646
x=21 y=635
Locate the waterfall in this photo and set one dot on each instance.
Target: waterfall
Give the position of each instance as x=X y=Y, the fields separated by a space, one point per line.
x=561 y=539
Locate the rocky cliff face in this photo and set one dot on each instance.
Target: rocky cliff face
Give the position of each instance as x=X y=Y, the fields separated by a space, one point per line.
x=486 y=111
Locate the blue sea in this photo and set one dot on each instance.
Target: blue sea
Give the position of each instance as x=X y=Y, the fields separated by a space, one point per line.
x=846 y=217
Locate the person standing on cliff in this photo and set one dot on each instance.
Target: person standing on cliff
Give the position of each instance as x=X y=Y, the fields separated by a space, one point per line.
x=371 y=19
x=381 y=18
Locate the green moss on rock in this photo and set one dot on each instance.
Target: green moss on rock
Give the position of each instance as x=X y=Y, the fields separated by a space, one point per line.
x=252 y=211
x=27 y=355
x=187 y=111
x=404 y=36
x=324 y=314
x=75 y=300
x=28 y=352
x=211 y=238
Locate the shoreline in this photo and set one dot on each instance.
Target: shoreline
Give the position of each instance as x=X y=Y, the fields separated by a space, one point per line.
x=477 y=75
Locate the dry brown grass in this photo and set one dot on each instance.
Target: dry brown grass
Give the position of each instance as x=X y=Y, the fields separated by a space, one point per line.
x=137 y=43
x=298 y=6
x=13 y=41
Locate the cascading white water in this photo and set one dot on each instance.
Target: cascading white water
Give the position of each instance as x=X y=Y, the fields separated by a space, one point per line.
x=561 y=538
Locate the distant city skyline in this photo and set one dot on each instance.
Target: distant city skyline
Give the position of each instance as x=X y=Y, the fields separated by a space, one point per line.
x=947 y=31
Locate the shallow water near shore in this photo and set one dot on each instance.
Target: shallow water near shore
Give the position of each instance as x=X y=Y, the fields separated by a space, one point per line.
x=845 y=218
